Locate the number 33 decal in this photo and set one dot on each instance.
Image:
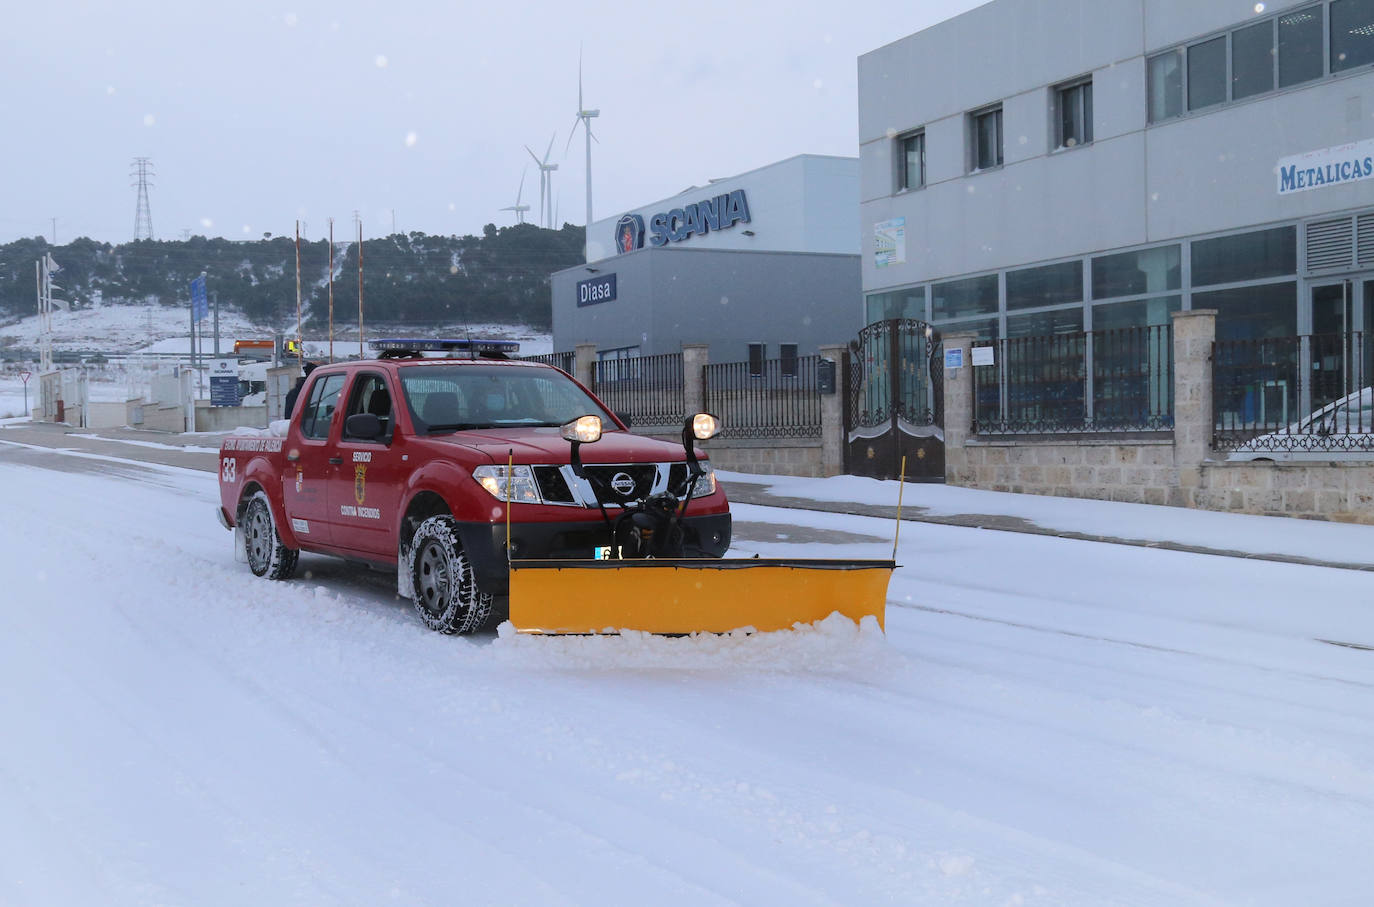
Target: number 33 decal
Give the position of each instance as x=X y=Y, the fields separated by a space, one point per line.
x=228 y=469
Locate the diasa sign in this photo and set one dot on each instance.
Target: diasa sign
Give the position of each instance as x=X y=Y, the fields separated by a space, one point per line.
x=598 y=289
x=718 y=213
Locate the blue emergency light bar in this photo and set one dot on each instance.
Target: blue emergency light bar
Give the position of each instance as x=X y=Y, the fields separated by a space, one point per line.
x=431 y=345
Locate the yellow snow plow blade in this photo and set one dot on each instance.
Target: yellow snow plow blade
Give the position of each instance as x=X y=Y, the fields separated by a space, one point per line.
x=692 y=595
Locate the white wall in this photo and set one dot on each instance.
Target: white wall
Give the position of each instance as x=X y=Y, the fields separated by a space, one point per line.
x=806 y=203
x=1205 y=172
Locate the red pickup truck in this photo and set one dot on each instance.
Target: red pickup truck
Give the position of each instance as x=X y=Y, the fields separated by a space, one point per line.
x=408 y=462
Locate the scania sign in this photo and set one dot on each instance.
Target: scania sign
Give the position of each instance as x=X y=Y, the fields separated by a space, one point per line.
x=598 y=289
x=719 y=213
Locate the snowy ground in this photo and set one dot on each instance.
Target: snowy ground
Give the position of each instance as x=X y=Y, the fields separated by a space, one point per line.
x=1261 y=535
x=12 y=399
x=1045 y=722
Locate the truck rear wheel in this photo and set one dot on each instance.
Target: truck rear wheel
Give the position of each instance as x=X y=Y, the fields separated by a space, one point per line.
x=441 y=575
x=267 y=555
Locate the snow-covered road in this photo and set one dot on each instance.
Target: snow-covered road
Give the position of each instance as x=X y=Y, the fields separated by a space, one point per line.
x=1046 y=721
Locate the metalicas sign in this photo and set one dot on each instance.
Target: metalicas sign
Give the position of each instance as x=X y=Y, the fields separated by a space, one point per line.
x=1326 y=167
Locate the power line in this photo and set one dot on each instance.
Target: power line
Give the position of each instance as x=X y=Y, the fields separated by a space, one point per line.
x=143 y=216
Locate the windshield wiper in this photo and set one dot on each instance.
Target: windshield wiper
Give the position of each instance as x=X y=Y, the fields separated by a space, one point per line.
x=454 y=426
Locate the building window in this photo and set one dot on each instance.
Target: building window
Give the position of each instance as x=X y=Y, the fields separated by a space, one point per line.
x=982 y=328
x=1075 y=103
x=909 y=303
x=788 y=355
x=962 y=298
x=1136 y=313
x=1280 y=51
x=620 y=364
x=1041 y=324
x=1300 y=46
x=1137 y=273
x=1252 y=60
x=1207 y=73
x=1245 y=256
x=756 y=355
x=1166 y=86
x=1253 y=313
x=911 y=161
x=1046 y=285
x=1352 y=34
x=987 y=138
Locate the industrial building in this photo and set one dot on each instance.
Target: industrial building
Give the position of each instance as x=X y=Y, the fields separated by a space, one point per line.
x=758 y=266
x=1100 y=165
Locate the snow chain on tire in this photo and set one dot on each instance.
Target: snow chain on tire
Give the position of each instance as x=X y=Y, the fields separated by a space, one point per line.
x=267 y=555
x=444 y=588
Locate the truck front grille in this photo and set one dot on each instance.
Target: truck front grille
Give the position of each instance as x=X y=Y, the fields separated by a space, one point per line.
x=559 y=485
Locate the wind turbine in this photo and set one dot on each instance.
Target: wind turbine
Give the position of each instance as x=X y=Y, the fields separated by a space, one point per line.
x=518 y=208
x=585 y=116
x=545 y=182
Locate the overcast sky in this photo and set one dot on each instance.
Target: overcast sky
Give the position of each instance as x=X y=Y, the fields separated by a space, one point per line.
x=257 y=114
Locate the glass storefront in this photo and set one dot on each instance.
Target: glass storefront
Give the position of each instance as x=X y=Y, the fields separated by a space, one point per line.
x=1113 y=316
x=1245 y=256
x=963 y=298
x=1137 y=273
x=1047 y=285
x=1251 y=279
x=1253 y=313
x=907 y=303
x=1041 y=324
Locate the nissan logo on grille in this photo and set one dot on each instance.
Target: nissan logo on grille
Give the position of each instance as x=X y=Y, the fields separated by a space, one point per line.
x=623 y=483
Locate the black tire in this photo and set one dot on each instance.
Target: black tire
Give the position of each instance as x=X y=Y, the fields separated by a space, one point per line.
x=267 y=555
x=443 y=587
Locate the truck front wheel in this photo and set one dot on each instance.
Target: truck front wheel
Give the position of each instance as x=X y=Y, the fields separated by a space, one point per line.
x=267 y=555
x=445 y=589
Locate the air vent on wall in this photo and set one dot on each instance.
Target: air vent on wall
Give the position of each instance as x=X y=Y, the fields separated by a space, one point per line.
x=1330 y=244
x=1364 y=240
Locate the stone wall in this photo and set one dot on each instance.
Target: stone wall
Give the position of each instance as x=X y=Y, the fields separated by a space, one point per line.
x=1325 y=491
x=793 y=457
x=1142 y=471
x=1176 y=468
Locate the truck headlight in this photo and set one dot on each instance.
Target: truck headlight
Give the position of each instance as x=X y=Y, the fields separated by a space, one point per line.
x=519 y=484
x=706 y=483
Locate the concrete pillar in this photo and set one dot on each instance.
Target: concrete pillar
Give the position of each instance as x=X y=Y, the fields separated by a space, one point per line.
x=584 y=363
x=832 y=415
x=188 y=399
x=695 y=357
x=958 y=408
x=1194 y=333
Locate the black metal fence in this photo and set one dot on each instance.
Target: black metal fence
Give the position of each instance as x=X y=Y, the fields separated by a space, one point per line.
x=1304 y=393
x=565 y=361
x=1118 y=380
x=775 y=398
x=649 y=390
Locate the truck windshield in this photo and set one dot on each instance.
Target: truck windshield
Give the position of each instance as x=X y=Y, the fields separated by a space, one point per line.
x=457 y=397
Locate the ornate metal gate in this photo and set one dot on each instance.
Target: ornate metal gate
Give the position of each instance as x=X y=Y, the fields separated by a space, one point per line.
x=895 y=402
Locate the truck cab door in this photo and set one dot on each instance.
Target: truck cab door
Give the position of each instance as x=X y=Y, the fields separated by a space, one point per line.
x=365 y=490
x=306 y=470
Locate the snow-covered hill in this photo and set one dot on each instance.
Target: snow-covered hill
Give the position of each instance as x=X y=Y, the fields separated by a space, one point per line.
x=156 y=328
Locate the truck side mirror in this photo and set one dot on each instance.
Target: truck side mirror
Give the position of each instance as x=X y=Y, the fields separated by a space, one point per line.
x=364 y=426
